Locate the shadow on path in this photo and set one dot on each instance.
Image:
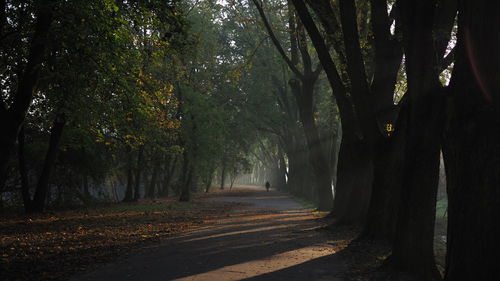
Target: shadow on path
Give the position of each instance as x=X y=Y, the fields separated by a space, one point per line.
x=273 y=238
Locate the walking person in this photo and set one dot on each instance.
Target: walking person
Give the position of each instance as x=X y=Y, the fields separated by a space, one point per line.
x=268 y=185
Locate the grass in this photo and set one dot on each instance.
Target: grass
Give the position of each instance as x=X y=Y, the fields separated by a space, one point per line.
x=305 y=203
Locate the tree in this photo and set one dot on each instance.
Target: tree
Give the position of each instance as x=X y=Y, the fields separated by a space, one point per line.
x=93 y=79
x=302 y=86
x=413 y=246
x=471 y=147
x=13 y=110
x=360 y=130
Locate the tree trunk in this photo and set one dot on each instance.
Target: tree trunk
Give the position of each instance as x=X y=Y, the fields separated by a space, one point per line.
x=472 y=147
x=25 y=192
x=152 y=183
x=86 y=191
x=233 y=178
x=223 y=174
x=187 y=177
x=138 y=171
x=129 y=192
x=413 y=247
x=472 y=173
x=168 y=175
x=12 y=119
x=42 y=188
x=317 y=155
x=281 y=181
x=387 y=182
x=354 y=178
x=208 y=183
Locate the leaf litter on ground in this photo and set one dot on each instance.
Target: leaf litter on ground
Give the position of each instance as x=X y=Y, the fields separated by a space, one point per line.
x=55 y=246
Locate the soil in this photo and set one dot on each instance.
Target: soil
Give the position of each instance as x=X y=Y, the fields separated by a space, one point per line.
x=267 y=237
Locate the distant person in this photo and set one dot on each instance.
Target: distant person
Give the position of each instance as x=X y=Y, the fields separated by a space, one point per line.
x=268 y=185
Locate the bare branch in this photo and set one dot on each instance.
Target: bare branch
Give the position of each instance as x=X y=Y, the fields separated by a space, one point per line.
x=275 y=40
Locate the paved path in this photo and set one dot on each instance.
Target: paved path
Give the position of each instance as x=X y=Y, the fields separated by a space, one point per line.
x=271 y=238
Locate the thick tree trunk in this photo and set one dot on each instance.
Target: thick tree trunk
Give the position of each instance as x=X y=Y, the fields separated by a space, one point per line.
x=347 y=114
x=298 y=163
x=472 y=147
x=12 y=119
x=413 y=247
x=138 y=171
x=42 y=188
x=317 y=155
x=354 y=178
x=473 y=169
x=387 y=179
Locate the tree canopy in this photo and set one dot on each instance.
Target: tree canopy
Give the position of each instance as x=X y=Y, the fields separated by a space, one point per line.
x=349 y=104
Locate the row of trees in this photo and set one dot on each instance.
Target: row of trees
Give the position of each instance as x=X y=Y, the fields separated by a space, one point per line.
x=165 y=95
x=106 y=93
x=388 y=161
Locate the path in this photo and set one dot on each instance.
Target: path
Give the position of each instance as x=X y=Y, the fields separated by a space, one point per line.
x=271 y=238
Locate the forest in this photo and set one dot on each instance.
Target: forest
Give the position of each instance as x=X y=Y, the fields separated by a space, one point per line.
x=381 y=116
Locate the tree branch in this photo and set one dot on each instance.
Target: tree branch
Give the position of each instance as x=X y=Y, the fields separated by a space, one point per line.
x=302 y=43
x=355 y=63
x=339 y=91
x=275 y=40
x=326 y=15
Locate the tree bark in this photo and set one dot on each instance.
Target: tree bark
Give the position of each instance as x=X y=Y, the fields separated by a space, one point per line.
x=413 y=247
x=138 y=171
x=42 y=188
x=354 y=176
x=387 y=182
x=413 y=250
x=472 y=147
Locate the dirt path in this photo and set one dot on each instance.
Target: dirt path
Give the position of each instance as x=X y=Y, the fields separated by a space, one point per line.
x=271 y=238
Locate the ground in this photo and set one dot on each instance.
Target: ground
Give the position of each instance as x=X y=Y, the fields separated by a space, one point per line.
x=268 y=237
x=243 y=234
